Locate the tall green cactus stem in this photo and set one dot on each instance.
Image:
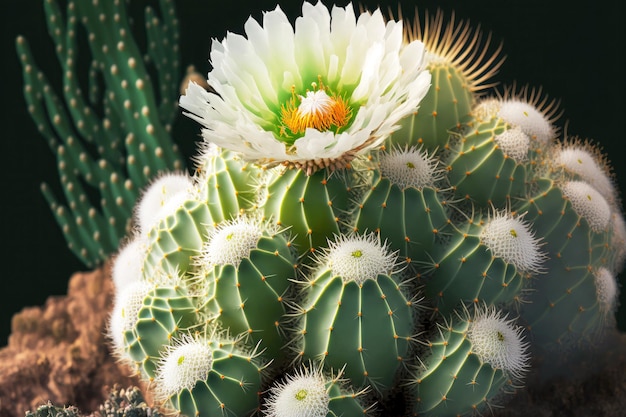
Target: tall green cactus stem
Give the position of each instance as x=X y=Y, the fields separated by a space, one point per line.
x=459 y=66
x=116 y=154
x=251 y=295
x=312 y=206
x=366 y=326
x=564 y=307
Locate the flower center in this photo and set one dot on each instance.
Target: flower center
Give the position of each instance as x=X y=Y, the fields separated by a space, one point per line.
x=317 y=109
x=301 y=395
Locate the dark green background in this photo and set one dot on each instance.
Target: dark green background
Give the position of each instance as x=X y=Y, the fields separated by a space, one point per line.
x=575 y=53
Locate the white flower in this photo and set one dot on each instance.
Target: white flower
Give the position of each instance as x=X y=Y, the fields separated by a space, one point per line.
x=312 y=96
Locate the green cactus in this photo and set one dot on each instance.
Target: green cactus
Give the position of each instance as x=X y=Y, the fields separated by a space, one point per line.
x=250 y=291
x=312 y=206
x=407 y=215
x=466 y=365
x=114 y=155
x=566 y=311
x=457 y=79
x=206 y=377
x=409 y=248
x=366 y=326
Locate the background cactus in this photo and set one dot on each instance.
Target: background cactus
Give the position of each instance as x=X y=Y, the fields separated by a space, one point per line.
x=422 y=271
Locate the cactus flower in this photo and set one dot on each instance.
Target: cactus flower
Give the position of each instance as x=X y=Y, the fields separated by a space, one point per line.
x=313 y=96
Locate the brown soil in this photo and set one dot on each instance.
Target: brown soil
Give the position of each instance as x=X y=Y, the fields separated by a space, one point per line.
x=58 y=352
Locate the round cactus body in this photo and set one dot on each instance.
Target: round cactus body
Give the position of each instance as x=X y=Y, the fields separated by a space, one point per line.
x=250 y=295
x=366 y=326
x=468 y=363
x=165 y=312
x=177 y=238
x=311 y=206
x=445 y=108
x=228 y=184
x=308 y=392
x=481 y=171
x=407 y=218
x=563 y=305
x=208 y=378
x=465 y=270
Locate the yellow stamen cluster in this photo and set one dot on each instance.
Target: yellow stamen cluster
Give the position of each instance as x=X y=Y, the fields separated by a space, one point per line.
x=316 y=110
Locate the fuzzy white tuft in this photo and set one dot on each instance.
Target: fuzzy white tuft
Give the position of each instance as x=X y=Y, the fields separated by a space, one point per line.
x=161 y=199
x=532 y=121
x=618 y=240
x=231 y=241
x=182 y=365
x=487 y=109
x=581 y=162
x=606 y=290
x=128 y=263
x=498 y=341
x=514 y=143
x=409 y=168
x=512 y=240
x=588 y=204
x=300 y=395
x=128 y=302
x=359 y=257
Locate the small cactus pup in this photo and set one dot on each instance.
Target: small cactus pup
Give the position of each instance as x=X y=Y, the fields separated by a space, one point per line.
x=356 y=312
x=461 y=65
x=146 y=316
x=468 y=363
x=208 y=375
x=309 y=392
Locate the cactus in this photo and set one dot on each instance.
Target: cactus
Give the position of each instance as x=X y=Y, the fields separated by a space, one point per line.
x=111 y=136
x=367 y=229
x=121 y=402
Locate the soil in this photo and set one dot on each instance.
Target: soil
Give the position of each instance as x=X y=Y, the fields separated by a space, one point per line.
x=58 y=352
